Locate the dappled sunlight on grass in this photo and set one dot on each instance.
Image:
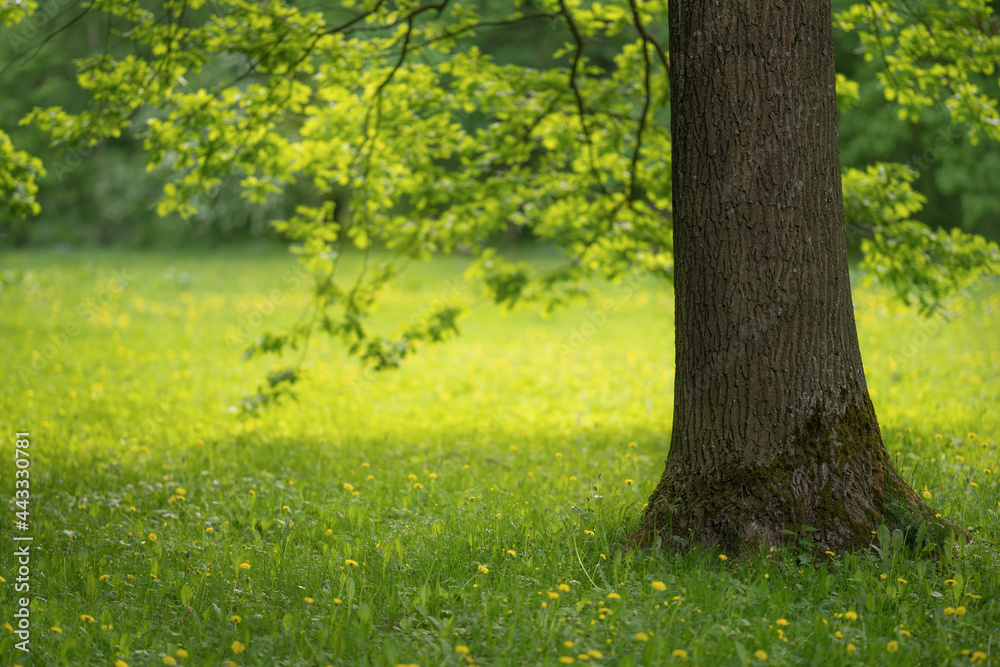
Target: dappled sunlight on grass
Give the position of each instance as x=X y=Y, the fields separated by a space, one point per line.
x=468 y=508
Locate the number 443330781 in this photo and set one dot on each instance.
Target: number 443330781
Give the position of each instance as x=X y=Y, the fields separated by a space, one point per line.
x=22 y=476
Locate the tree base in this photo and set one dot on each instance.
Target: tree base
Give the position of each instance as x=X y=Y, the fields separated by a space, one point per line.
x=836 y=479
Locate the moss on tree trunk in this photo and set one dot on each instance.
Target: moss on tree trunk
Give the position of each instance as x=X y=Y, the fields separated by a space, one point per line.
x=837 y=478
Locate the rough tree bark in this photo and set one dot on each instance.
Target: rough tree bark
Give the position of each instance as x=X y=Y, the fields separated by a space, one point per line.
x=773 y=426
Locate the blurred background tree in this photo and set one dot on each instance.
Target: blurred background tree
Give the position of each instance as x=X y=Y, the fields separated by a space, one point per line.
x=959 y=180
x=106 y=196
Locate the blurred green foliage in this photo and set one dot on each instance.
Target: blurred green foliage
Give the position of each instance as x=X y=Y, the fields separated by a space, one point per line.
x=102 y=193
x=933 y=132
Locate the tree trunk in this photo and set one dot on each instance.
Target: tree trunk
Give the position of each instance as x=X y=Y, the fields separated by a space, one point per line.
x=773 y=426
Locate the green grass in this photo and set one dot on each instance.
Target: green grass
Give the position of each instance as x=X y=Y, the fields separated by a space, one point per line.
x=406 y=518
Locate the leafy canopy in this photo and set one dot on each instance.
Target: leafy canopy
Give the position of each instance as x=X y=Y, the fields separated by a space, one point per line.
x=442 y=146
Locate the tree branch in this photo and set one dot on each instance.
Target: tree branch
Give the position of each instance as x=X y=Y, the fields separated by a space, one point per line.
x=581 y=108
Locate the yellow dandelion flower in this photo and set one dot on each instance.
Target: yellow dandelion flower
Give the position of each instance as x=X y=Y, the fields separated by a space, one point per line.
x=760 y=655
x=680 y=654
x=838 y=634
x=418 y=485
x=614 y=596
x=169 y=660
x=904 y=633
x=511 y=553
x=564 y=588
x=553 y=595
x=152 y=537
x=588 y=533
x=180 y=491
x=568 y=644
x=328 y=532
x=583 y=657
x=235 y=619
x=978 y=656
x=105 y=577
x=237 y=647
x=892 y=646
x=948 y=611
x=927 y=495
x=209 y=530
x=308 y=600
x=960 y=611
x=86 y=618
x=950 y=582
x=9 y=628
x=830 y=553
x=462 y=649
x=901 y=580
x=352 y=563
x=244 y=565
x=781 y=622
x=629 y=481
x=120 y=663
x=723 y=557
x=596 y=655
x=181 y=653
x=484 y=570
x=851 y=615
x=851 y=648
x=348 y=487
x=337 y=601
x=56 y=628
x=642 y=636
x=659 y=586
x=412 y=477
x=566 y=660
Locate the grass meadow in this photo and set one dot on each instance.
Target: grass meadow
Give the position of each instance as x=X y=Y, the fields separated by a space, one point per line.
x=466 y=509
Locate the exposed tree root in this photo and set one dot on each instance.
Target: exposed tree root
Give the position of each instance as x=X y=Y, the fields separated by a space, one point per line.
x=837 y=479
